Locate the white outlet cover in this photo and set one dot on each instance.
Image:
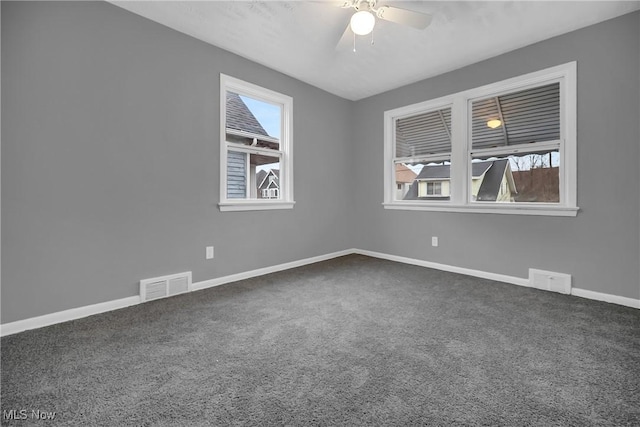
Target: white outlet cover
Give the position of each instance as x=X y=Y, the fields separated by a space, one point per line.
x=209 y=254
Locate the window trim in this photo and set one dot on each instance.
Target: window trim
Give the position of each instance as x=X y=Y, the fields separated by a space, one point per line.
x=461 y=150
x=285 y=152
x=391 y=160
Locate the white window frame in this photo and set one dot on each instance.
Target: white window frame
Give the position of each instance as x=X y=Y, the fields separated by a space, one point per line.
x=390 y=134
x=285 y=152
x=461 y=150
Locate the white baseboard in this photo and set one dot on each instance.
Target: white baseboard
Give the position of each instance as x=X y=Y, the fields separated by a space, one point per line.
x=266 y=270
x=584 y=293
x=66 y=315
x=80 y=312
x=599 y=296
x=450 y=268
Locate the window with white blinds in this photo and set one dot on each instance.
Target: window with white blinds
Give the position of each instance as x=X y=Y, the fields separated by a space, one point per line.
x=507 y=147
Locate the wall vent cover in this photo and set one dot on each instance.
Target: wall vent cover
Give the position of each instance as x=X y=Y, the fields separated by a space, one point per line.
x=165 y=286
x=550 y=281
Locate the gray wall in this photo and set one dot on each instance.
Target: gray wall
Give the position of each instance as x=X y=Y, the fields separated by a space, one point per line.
x=599 y=247
x=110 y=160
x=110 y=164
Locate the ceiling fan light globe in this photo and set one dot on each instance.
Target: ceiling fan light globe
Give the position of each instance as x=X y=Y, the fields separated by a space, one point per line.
x=362 y=22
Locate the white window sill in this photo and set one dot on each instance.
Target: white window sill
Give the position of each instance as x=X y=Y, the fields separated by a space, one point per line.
x=494 y=208
x=254 y=205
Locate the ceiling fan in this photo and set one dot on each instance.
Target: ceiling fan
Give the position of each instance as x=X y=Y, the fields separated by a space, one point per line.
x=364 y=19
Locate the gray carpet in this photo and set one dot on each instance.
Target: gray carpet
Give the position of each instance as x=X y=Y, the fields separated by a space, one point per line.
x=350 y=341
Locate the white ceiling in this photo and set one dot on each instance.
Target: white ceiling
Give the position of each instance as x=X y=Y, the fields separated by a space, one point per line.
x=299 y=38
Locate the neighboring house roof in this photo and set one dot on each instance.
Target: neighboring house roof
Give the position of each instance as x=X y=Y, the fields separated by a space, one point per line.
x=260 y=176
x=490 y=186
x=240 y=118
x=441 y=172
x=404 y=174
x=243 y=127
x=264 y=182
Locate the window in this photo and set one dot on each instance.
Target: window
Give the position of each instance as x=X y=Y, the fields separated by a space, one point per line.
x=434 y=189
x=270 y=193
x=517 y=134
x=508 y=147
x=422 y=149
x=255 y=147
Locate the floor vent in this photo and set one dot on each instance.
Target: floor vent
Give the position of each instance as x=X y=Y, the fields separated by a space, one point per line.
x=165 y=286
x=550 y=281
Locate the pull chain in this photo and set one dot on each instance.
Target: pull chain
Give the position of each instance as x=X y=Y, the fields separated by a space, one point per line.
x=354 y=41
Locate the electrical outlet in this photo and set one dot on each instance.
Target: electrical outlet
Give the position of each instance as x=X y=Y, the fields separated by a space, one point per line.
x=434 y=241
x=209 y=252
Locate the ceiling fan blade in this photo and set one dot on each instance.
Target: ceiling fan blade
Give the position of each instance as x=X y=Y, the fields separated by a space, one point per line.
x=346 y=39
x=345 y=4
x=411 y=18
